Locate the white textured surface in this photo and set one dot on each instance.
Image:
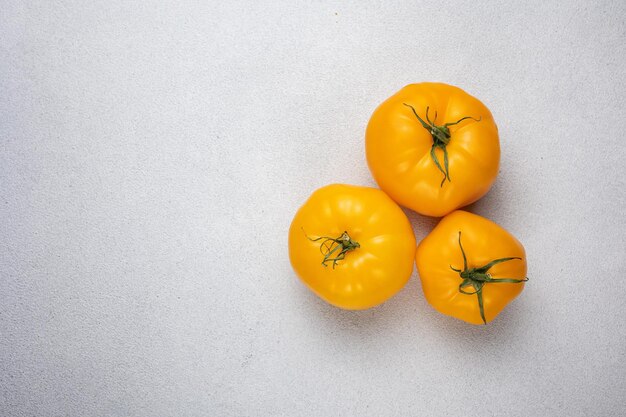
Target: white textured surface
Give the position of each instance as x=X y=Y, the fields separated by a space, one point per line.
x=152 y=156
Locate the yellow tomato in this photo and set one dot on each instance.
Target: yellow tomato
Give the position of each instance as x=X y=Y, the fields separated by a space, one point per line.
x=352 y=246
x=470 y=267
x=433 y=148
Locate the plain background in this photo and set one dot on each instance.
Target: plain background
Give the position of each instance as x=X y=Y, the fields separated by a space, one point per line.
x=152 y=155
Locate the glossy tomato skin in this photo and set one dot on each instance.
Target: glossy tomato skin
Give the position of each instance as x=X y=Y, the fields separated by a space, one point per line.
x=398 y=149
x=483 y=241
x=369 y=274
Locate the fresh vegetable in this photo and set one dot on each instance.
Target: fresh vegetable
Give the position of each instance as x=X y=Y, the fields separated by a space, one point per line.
x=352 y=246
x=433 y=148
x=470 y=267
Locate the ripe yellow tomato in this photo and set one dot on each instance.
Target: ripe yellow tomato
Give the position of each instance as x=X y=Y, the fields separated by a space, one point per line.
x=470 y=267
x=353 y=246
x=433 y=148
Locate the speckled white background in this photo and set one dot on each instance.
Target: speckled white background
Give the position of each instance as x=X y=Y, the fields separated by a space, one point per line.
x=152 y=155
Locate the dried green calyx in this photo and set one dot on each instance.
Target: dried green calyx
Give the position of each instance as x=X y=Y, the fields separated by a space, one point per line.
x=479 y=277
x=337 y=247
x=441 y=138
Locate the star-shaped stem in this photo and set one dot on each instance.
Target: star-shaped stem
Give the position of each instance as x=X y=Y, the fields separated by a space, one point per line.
x=479 y=277
x=441 y=137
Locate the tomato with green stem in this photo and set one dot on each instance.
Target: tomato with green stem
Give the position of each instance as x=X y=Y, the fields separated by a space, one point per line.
x=352 y=246
x=470 y=267
x=433 y=148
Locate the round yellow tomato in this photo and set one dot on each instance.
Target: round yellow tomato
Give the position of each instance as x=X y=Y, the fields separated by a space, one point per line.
x=433 y=148
x=352 y=246
x=470 y=267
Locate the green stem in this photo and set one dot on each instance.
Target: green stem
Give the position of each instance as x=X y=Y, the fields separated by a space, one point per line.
x=478 y=277
x=331 y=245
x=441 y=138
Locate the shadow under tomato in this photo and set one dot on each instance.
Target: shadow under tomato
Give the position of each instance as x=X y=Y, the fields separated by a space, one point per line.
x=355 y=326
x=504 y=332
x=422 y=225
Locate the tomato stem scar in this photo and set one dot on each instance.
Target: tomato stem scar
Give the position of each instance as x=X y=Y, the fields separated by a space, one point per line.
x=478 y=277
x=441 y=137
x=330 y=246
